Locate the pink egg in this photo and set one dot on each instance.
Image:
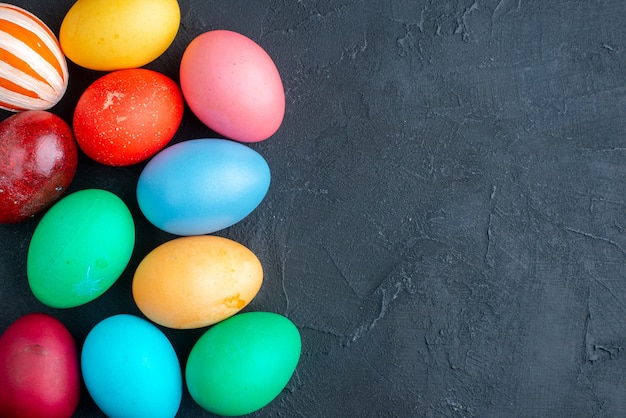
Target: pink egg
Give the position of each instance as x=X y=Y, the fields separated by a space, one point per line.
x=232 y=85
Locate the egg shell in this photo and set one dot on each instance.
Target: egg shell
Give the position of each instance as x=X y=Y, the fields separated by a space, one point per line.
x=34 y=70
x=39 y=159
x=127 y=116
x=243 y=363
x=201 y=186
x=233 y=86
x=80 y=248
x=192 y=282
x=39 y=369
x=130 y=369
x=109 y=35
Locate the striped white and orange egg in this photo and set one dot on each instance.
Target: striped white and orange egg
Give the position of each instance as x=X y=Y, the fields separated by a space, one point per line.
x=33 y=69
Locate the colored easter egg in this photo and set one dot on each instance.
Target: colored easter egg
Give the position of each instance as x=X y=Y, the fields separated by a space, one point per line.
x=39 y=158
x=192 y=282
x=34 y=70
x=243 y=363
x=80 y=248
x=127 y=116
x=130 y=369
x=39 y=369
x=233 y=86
x=201 y=186
x=110 y=35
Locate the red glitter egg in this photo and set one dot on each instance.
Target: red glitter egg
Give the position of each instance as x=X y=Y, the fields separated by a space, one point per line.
x=127 y=116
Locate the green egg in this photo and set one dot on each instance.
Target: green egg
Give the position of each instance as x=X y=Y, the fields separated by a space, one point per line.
x=242 y=363
x=80 y=248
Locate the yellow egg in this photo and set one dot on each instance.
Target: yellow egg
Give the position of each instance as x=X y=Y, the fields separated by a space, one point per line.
x=196 y=281
x=107 y=35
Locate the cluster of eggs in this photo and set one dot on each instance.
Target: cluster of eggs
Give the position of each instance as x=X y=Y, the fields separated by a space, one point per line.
x=84 y=241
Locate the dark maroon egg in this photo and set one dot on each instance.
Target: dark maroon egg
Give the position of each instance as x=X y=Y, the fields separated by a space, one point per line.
x=38 y=159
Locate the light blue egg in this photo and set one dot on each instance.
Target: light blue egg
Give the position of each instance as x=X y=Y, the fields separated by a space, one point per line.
x=130 y=369
x=201 y=186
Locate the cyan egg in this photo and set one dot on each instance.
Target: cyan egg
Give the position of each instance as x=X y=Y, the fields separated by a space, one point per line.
x=201 y=186
x=130 y=369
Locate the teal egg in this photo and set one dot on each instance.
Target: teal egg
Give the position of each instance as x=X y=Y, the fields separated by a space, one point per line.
x=80 y=248
x=243 y=363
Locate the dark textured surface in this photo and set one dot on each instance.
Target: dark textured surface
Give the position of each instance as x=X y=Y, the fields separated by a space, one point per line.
x=446 y=220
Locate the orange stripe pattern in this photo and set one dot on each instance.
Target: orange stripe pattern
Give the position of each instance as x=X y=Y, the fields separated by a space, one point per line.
x=33 y=69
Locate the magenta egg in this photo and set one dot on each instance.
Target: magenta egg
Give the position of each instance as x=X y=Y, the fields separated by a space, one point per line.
x=39 y=369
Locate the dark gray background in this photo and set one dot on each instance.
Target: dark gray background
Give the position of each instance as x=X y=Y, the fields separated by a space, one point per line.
x=446 y=220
